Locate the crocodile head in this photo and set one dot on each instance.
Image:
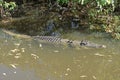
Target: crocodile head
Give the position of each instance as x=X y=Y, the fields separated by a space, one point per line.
x=90 y=44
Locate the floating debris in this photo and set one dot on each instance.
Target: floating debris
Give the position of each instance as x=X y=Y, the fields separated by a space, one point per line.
x=98 y=54
x=10 y=54
x=15 y=72
x=18 y=54
x=13 y=65
x=110 y=60
x=17 y=44
x=35 y=56
x=56 y=51
x=17 y=57
x=68 y=69
x=66 y=74
x=23 y=49
x=83 y=76
x=40 y=45
x=94 y=77
x=4 y=74
x=15 y=50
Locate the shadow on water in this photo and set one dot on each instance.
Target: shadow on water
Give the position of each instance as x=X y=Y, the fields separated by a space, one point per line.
x=22 y=59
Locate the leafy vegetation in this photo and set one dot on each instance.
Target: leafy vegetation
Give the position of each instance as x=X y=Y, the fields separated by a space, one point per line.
x=6 y=7
x=100 y=15
x=100 y=3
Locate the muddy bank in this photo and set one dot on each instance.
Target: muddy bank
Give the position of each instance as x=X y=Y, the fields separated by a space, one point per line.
x=40 y=20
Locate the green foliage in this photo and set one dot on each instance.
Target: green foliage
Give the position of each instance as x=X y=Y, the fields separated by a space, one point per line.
x=6 y=5
x=13 y=5
x=1 y=2
x=6 y=8
x=105 y=22
x=100 y=3
x=100 y=14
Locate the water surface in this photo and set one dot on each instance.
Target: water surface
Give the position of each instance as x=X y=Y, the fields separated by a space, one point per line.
x=22 y=59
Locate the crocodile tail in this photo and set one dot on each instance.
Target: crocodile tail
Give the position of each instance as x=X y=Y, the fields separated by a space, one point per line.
x=48 y=39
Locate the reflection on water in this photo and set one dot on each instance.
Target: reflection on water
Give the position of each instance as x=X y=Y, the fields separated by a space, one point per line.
x=22 y=59
x=9 y=73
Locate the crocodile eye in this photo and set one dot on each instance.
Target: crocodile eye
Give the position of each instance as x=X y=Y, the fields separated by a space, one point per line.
x=83 y=43
x=69 y=41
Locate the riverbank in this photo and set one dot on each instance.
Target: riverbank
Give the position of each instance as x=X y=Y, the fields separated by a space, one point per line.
x=41 y=20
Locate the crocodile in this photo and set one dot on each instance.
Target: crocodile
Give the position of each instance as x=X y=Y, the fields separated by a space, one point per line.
x=57 y=40
x=75 y=43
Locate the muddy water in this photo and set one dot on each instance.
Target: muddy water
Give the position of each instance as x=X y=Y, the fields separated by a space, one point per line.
x=22 y=59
